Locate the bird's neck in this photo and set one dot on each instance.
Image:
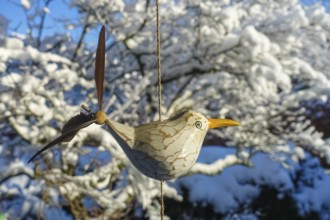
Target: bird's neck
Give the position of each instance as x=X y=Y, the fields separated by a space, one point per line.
x=121 y=132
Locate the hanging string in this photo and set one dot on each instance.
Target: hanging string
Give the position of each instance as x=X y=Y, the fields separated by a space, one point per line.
x=158 y=61
x=162 y=207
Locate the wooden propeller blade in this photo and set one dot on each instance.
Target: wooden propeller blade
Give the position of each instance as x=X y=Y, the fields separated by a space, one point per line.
x=69 y=130
x=99 y=67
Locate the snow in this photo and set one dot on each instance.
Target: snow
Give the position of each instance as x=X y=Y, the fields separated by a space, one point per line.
x=26 y=4
x=14 y=43
x=238 y=185
x=216 y=167
x=28 y=53
x=46 y=10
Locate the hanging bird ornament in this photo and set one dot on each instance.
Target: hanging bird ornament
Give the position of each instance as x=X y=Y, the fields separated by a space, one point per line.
x=161 y=150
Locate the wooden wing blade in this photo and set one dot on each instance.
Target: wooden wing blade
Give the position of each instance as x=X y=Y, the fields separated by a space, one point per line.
x=99 y=67
x=68 y=134
x=53 y=143
x=76 y=122
x=123 y=134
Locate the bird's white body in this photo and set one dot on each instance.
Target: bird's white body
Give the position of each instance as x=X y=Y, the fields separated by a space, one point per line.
x=163 y=150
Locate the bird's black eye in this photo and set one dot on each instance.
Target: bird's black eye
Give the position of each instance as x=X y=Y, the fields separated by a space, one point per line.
x=198 y=124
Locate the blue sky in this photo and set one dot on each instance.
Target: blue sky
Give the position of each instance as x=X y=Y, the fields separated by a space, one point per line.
x=13 y=11
x=326 y=3
x=59 y=9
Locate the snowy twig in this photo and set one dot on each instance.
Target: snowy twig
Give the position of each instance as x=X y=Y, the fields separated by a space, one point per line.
x=12 y=171
x=218 y=166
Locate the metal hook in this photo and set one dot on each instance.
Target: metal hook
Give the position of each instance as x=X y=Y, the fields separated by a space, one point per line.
x=86 y=108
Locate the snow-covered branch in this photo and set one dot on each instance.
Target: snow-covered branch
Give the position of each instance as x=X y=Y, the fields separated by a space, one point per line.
x=218 y=166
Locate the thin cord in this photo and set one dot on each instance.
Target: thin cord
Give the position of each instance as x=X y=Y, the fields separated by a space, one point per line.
x=162 y=206
x=158 y=62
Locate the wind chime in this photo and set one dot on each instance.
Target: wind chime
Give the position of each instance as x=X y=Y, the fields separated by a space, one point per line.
x=161 y=150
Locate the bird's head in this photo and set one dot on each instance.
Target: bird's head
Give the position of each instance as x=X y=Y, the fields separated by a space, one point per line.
x=199 y=121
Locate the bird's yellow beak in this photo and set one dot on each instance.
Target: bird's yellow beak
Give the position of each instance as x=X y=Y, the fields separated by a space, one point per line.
x=216 y=123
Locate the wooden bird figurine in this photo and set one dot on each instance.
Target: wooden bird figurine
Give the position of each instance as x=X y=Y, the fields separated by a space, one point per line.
x=161 y=150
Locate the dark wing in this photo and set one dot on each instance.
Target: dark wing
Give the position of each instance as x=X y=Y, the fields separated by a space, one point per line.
x=99 y=67
x=76 y=123
x=67 y=134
